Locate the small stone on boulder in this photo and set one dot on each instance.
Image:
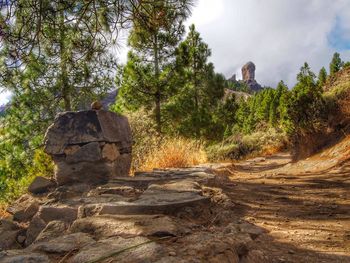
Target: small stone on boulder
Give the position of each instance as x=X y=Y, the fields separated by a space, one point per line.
x=96 y=105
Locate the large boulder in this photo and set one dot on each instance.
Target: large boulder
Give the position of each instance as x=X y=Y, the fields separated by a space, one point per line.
x=78 y=128
x=89 y=146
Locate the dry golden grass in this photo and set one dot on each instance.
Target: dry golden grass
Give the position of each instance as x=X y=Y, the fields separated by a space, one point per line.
x=3 y=212
x=174 y=152
x=273 y=149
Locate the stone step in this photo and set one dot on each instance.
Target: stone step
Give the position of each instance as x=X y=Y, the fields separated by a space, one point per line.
x=164 y=198
x=143 y=207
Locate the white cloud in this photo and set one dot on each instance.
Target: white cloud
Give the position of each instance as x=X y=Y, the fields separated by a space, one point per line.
x=277 y=35
x=4 y=97
x=206 y=12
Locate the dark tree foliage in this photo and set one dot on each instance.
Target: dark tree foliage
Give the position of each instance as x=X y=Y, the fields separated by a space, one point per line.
x=306 y=105
x=322 y=77
x=149 y=74
x=54 y=56
x=336 y=64
x=200 y=90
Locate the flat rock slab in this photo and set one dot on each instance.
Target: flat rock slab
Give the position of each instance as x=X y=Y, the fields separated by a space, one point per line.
x=144 y=179
x=157 y=199
x=22 y=256
x=135 y=250
x=137 y=208
x=63 y=244
x=126 y=226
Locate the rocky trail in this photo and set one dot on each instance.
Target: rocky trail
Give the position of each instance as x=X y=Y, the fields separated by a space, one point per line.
x=259 y=210
x=303 y=207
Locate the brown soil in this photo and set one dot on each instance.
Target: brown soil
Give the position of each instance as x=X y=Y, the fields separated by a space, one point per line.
x=306 y=213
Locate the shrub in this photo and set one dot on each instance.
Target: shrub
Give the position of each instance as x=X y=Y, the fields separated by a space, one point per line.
x=240 y=146
x=175 y=152
x=151 y=150
x=12 y=186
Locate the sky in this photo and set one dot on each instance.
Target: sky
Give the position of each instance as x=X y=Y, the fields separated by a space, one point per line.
x=277 y=35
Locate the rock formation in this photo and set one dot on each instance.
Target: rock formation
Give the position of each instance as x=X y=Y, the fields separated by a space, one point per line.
x=248 y=74
x=89 y=146
x=233 y=78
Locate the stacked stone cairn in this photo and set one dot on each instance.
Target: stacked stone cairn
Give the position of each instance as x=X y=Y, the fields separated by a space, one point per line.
x=89 y=146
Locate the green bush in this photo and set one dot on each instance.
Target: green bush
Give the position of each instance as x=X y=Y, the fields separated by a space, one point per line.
x=14 y=180
x=240 y=146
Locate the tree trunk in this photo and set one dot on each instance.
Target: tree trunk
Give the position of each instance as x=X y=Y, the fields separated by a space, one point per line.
x=63 y=67
x=158 y=113
x=197 y=127
x=158 y=93
x=196 y=98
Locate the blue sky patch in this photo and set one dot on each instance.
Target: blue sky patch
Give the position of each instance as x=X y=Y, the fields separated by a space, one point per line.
x=339 y=37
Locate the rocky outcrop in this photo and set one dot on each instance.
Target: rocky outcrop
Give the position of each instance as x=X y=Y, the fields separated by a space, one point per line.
x=233 y=78
x=89 y=146
x=248 y=74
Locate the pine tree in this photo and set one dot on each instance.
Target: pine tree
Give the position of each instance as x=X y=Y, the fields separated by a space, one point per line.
x=148 y=75
x=60 y=47
x=275 y=107
x=322 y=77
x=306 y=105
x=336 y=64
x=200 y=88
x=53 y=57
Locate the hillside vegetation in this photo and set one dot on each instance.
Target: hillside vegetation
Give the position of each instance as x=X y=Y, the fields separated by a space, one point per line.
x=181 y=110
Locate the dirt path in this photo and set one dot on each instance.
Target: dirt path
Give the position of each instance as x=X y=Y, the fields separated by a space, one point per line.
x=307 y=215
